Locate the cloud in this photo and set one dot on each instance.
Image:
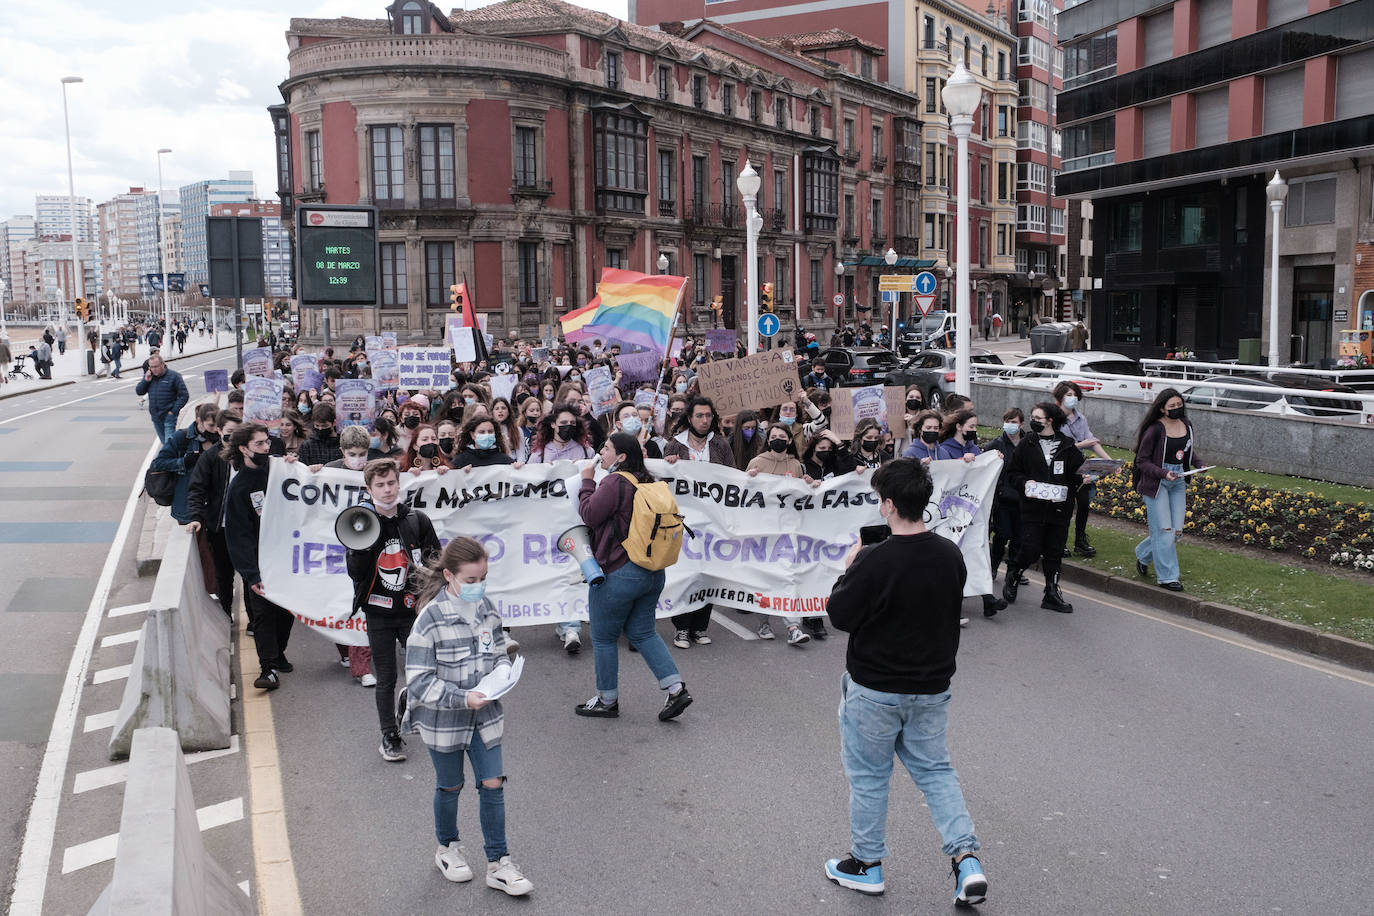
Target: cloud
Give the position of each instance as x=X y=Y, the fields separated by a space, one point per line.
x=194 y=76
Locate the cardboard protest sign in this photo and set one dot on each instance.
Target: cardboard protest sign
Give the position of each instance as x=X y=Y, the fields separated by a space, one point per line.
x=373 y=342
x=385 y=367
x=423 y=367
x=759 y=380
x=258 y=362
x=721 y=340
x=354 y=402
x=601 y=388
x=313 y=380
x=639 y=367
x=388 y=340
x=262 y=399
x=539 y=354
x=216 y=380
x=850 y=405
x=502 y=386
x=463 y=343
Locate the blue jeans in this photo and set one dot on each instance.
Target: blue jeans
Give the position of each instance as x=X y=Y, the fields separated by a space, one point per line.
x=627 y=601
x=491 y=803
x=874 y=725
x=165 y=427
x=1166 y=512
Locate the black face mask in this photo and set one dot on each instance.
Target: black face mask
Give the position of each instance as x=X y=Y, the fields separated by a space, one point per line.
x=428 y=450
x=913 y=404
x=870 y=445
x=323 y=433
x=824 y=457
x=566 y=431
x=1174 y=413
x=777 y=445
x=1037 y=426
x=411 y=421
x=929 y=437
x=446 y=444
x=210 y=438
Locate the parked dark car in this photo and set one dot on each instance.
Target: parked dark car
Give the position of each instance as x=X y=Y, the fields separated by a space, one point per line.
x=852 y=367
x=933 y=372
x=1207 y=393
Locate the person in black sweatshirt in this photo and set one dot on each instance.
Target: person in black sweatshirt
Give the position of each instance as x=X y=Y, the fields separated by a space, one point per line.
x=385 y=585
x=899 y=600
x=247 y=453
x=205 y=506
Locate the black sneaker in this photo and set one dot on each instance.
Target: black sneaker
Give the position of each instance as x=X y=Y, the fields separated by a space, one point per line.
x=598 y=708
x=816 y=627
x=1084 y=549
x=267 y=680
x=392 y=748
x=992 y=604
x=675 y=704
x=282 y=665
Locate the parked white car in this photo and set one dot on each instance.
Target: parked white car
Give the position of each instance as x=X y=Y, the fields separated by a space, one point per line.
x=1074 y=367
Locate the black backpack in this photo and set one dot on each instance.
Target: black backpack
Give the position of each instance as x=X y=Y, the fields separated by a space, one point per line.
x=161 y=486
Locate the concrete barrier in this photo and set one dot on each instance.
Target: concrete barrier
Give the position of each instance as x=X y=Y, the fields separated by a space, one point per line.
x=1301 y=447
x=161 y=868
x=179 y=678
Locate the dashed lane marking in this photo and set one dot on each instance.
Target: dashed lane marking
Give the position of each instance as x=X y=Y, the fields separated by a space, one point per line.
x=120 y=639
x=103 y=849
x=119 y=772
x=100 y=720
x=105 y=675
x=127 y=609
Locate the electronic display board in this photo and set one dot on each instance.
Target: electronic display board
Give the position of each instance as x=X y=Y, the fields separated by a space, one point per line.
x=337 y=248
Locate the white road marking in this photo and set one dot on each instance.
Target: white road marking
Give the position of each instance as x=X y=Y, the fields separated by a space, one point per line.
x=105 y=675
x=120 y=639
x=93 y=852
x=119 y=772
x=100 y=720
x=126 y=610
x=30 y=882
x=740 y=631
x=244 y=886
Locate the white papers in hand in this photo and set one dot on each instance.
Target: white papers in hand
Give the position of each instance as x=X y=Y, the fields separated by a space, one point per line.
x=501 y=679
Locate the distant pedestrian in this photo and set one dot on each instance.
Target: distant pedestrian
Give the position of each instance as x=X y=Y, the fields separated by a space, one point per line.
x=42 y=357
x=166 y=393
x=457 y=640
x=899 y=600
x=1078 y=337
x=987 y=326
x=1163 y=452
x=205 y=508
x=200 y=328
x=62 y=339
x=996 y=325
x=115 y=349
x=6 y=357
x=181 y=339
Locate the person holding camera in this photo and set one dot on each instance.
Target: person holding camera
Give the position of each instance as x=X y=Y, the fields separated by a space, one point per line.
x=899 y=600
x=385 y=587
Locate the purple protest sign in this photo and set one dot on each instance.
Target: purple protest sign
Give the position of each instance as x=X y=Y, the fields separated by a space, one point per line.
x=639 y=367
x=721 y=340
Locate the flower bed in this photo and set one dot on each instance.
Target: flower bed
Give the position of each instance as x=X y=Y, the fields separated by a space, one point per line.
x=1300 y=523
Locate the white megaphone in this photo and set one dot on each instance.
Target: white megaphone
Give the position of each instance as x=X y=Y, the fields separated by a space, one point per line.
x=358 y=527
x=576 y=542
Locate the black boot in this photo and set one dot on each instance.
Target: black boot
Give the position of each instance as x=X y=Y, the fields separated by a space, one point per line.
x=1054 y=599
x=1082 y=547
x=1011 y=583
x=993 y=604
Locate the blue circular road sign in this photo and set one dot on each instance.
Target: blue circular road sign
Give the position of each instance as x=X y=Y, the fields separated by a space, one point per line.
x=769 y=324
x=925 y=283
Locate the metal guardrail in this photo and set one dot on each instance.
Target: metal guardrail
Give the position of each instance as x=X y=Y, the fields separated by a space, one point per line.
x=1340 y=406
x=1187 y=369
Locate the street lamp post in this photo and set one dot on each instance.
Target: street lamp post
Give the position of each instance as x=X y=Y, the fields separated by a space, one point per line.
x=839 y=278
x=890 y=259
x=3 y=330
x=961 y=96
x=162 y=252
x=748 y=184
x=77 y=289
x=1276 y=191
x=662 y=263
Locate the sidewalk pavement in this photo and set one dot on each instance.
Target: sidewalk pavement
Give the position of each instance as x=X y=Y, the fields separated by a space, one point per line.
x=70 y=367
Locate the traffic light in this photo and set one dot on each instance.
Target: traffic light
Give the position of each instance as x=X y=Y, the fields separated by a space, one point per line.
x=81 y=307
x=455 y=297
x=766 y=300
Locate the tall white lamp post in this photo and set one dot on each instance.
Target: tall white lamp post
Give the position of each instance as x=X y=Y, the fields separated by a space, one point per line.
x=748 y=184
x=77 y=288
x=1276 y=191
x=162 y=252
x=3 y=330
x=839 y=288
x=890 y=259
x=662 y=263
x=961 y=96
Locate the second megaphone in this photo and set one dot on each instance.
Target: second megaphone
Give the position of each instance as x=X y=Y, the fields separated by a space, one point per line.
x=576 y=542
x=358 y=527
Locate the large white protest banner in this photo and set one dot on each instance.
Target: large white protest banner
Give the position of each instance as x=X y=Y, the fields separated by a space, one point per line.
x=765 y=543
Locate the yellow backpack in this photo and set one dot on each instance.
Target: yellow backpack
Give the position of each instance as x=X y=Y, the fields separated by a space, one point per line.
x=654 y=538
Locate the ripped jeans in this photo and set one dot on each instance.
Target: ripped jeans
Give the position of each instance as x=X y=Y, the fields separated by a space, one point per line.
x=491 y=803
x=1166 y=511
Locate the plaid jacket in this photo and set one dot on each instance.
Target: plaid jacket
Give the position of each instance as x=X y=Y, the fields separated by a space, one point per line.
x=444 y=660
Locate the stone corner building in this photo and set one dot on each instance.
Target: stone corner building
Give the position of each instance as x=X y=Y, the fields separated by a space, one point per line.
x=527 y=145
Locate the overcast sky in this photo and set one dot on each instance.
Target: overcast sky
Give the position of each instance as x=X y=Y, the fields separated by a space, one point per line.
x=193 y=75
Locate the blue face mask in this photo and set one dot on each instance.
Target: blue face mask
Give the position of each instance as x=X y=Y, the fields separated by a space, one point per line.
x=631 y=425
x=472 y=591
x=787 y=421
x=1070 y=401
x=681 y=387
x=375 y=442
x=485 y=440
x=1011 y=429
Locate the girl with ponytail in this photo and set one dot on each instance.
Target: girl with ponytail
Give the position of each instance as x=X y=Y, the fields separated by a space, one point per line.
x=455 y=642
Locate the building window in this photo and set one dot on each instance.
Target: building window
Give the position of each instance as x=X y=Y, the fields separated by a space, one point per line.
x=968 y=52
x=928 y=33
x=1090 y=144
x=1033 y=52
x=314 y=161
x=1001 y=240
x=1128 y=222
x=615 y=258
x=664 y=83
x=700 y=194
x=1033 y=94
x=1032 y=135
x=849 y=228
x=1123 y=310
x=700 y=277
x=876 y=152
x=388 y=166
x=1004 y=180
x=949 y=43
x=621 y=149
x=849 y=135
x=984 y=185
x=1058 y=220
x=815 y=121
x=865 y=65
x=821 y=183
x=526 y=157
x=1001 y=65
x=1030 y=218
x=1003 y=121
x=727 y=99
x=612 y=70
x=436 y=166
x=412 y=18
x=982 y=244
x=1037 y=11
x=1031 y=176
x=930 y=94
x=1311 y=202
x=814 y=294
x=727 y=184
x=754 y=107
x=699 y=91
x=780 y=111
x=930 y=165
x=779 y=282
x=438 y=273
x=393 y=274
x=667 y=161
x=1094 y=58
x=983 y=60
x=1022 y=260
x=928 y=240
x=528 y=255
x=780 y=192
x=876 y=219
x=1190 y=219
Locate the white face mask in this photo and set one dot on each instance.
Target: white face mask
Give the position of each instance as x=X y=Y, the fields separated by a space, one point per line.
x=355 y=462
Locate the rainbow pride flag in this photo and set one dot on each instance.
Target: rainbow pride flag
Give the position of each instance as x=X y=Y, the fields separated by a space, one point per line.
x=576 y=321
x=636 y=309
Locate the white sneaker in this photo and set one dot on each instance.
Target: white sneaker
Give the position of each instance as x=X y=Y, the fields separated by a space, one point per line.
x=572 y=642
x=451 y=863
x=505 y=876
x=368 y=680
x=766 y=631
x=344 y=661
x=701 y=639
x=795 y=637
x=963 y=621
